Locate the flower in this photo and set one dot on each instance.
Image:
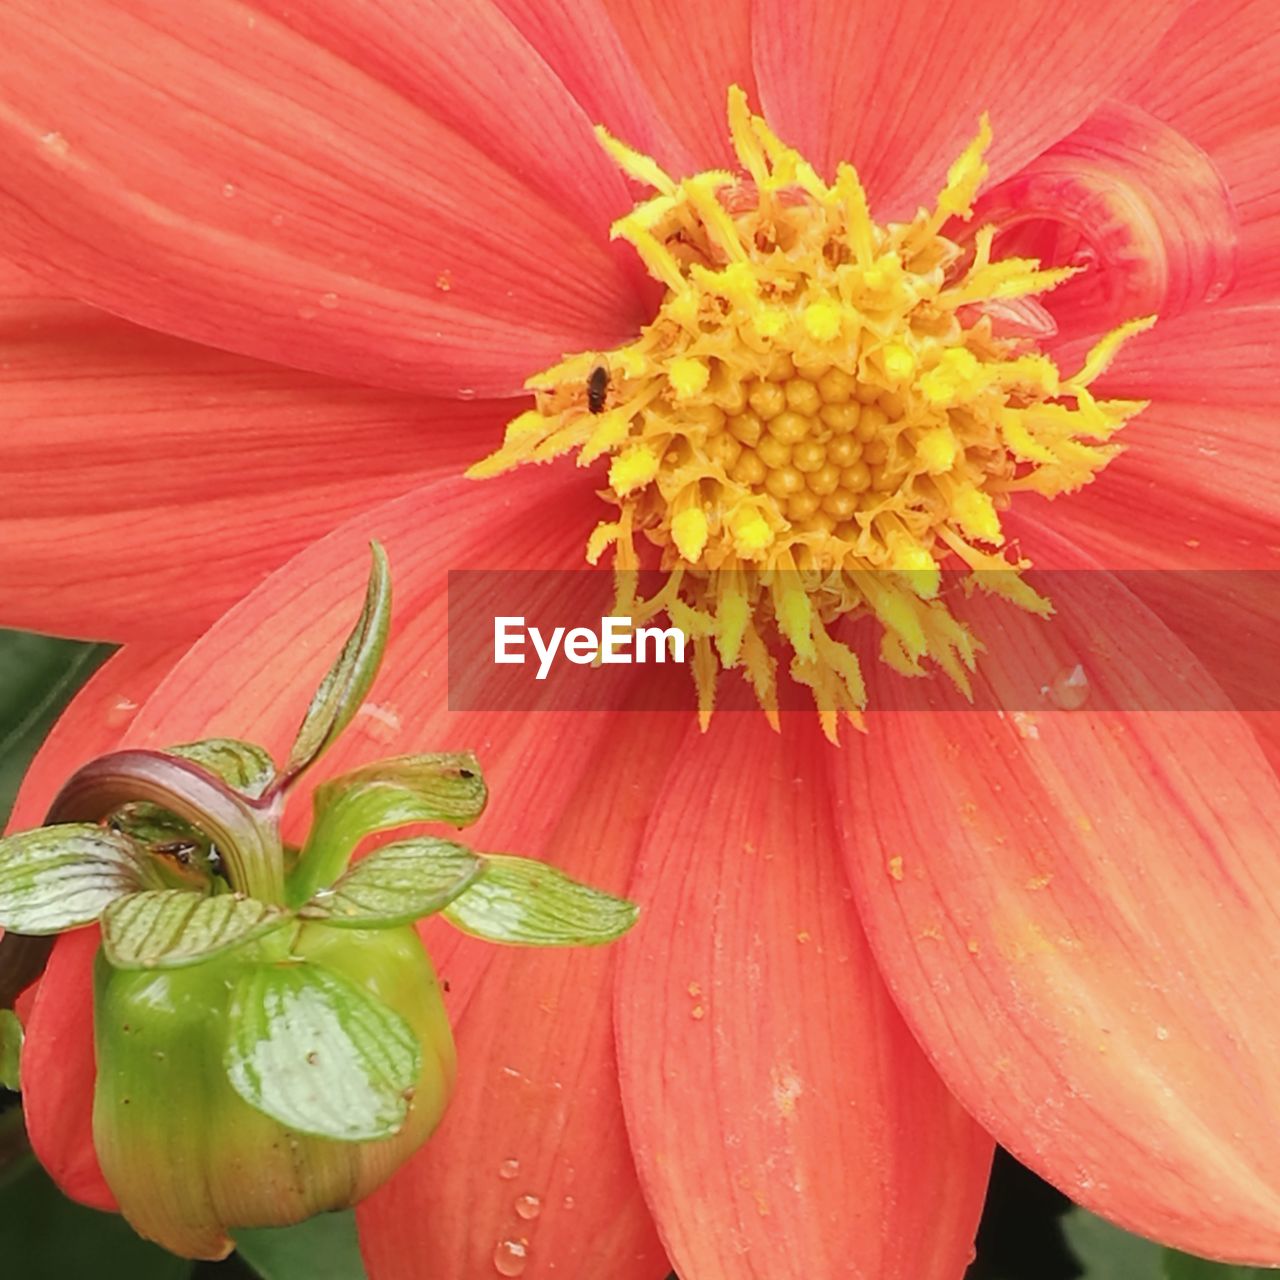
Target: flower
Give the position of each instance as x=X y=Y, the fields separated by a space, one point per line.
x=854 y=964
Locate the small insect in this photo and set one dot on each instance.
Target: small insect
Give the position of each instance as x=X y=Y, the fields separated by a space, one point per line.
x=597 y=386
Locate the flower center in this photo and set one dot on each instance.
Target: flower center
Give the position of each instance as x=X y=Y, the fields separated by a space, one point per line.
x=823 y=413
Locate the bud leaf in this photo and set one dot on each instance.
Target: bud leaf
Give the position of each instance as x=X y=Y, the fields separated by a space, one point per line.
x=311 y=1050
x=10 y=1049
x=397 y=884
x=244 y=766
x=171 y=928
x=392 y=793
x=61 y=877
x=344 y=687
x=528 y=903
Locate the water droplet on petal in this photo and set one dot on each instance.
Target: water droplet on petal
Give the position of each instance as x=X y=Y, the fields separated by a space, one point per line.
x=307 y=313
x=329 y=301
x=121 y=711
x=228 y=189
x=55 y=143
x=378 y=721
x=510 y=1257
x=509 y=1168
x=569 y=1202
x=1069 y=689
x=466 y=393
x=528 y=1207
x=1162 y=1033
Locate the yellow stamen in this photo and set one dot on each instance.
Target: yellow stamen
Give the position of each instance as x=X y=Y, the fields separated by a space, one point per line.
x=817 y=423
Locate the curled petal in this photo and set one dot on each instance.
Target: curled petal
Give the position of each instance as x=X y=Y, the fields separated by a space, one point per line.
x=785 y=1124
x=1138 y=207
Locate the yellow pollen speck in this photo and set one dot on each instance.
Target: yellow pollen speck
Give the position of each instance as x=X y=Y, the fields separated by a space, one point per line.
x=688 y=377
x=818 y=421
x=822 y=320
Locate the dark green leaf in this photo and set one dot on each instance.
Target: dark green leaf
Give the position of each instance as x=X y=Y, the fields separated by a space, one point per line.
x=56 y=878
x=10 y=1049
x=528 y=903
x=170 y=928
x=242 y=765
x=38 y=677
x=383 y=796
x=322 y=1248
x=344 y=687
x=44 y=1236
x=1108 y=1253
x=316 y=1053
x=397 y=884
x=1182 y=1266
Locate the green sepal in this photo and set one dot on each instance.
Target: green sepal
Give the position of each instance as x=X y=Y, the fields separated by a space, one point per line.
x=10 y=1049
x=528 y=903
x=244 y=766
x=396 y=884
x=347 y=682
x=314 y=1052
x=170 y=928
x=380 y=797
x=58 y=878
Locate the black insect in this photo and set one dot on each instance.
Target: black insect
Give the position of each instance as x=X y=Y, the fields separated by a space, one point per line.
x=597 y=387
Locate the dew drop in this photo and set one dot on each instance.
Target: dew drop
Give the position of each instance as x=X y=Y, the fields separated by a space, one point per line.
x=229 y=189
x=466 y=393
x=509 y=1168
x=1069 y=689
x=528 y=1207
x=307 y=313
x=121 y=711
x=378 y=721
x=329 y=301
x=1162 y=1033
x=55 y=143
x=510 y=1257
x=569 y=1202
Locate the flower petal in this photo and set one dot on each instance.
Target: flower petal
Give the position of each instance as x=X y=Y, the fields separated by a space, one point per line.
x=128 y=458
x=536 y=1118
x=687 y=56
x=584 y=48
x=1143 y=210
x=212 y=173
x=1078 y=917
x=57 y=1063
x=784 y=1122
x=1216 y=78
x=897 y=86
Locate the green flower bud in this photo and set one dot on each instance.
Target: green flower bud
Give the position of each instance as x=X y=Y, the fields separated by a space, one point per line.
x=188 y=1158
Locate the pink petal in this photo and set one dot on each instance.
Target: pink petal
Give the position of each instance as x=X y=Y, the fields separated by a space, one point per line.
x=1077 y=913
x=1216 y=77
x=128 y=458
x=536 y=1121
x=784 y=1122
x=897 y=86
x=583 y=47
x=686 y=56
x=1142 y=210
x=213 y=173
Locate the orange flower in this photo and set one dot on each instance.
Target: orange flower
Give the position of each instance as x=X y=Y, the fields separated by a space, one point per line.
x=856 y=965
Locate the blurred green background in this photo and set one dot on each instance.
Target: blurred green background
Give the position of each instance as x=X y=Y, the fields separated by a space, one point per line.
x=1029 y=1230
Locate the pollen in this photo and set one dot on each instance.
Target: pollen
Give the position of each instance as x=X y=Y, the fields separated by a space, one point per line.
x=820 y=419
